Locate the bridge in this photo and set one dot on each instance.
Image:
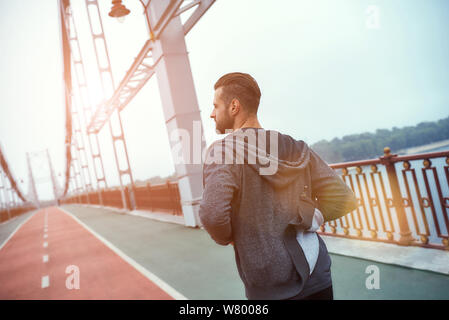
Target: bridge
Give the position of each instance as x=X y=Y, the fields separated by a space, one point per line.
x=146 y=241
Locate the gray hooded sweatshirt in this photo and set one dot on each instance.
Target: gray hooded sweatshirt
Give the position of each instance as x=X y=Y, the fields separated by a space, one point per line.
x=260 y=188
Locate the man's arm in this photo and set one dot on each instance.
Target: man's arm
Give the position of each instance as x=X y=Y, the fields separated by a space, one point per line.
x=220 y=182
x=334 y=197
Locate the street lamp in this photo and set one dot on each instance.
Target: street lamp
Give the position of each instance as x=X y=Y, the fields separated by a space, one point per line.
x=118 y=10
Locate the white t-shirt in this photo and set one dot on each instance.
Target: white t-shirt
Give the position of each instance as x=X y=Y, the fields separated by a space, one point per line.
x=308 y=240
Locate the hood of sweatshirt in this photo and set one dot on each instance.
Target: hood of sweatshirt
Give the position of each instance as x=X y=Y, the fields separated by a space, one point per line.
x=277 y=157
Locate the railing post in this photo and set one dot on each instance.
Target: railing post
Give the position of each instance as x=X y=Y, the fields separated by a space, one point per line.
x=170 y=198
x=405 y=235
x=104 y=198
x=128 y=200
x=150 y=200
x=132 y=197
x=178 y=199
x=174 y=201
x=100 y=196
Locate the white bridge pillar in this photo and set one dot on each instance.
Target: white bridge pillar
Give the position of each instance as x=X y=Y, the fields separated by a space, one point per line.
x=181 y=112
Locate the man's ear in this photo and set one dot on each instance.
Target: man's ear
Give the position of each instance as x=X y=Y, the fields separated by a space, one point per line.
x=235 y=106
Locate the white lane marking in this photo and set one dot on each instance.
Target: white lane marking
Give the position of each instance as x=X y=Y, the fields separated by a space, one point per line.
x=45 y=258
x=45 y=236
x=45 y=282
x=18 y=227
x=45 y=244
x=152 y=277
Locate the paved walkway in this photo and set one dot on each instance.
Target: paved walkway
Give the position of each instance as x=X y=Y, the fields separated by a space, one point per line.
x=53 y=256
x=187 y=260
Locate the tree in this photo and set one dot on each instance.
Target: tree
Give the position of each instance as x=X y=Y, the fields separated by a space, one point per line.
x=370 y=145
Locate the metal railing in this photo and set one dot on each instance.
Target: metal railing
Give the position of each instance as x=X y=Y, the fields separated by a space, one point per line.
x=14 y=212
x=402 y=200
x=162 y=198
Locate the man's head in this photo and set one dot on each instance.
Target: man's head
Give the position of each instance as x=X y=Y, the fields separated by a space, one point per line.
x=237 y=97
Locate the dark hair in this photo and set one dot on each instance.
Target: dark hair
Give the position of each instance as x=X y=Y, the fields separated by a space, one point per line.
x=241 y=86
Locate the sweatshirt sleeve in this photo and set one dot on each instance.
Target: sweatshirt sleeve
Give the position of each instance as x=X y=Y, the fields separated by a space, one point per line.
x=220 y=183
x=333 y=195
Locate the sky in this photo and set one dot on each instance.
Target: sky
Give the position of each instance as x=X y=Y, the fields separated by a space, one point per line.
x=326 y=69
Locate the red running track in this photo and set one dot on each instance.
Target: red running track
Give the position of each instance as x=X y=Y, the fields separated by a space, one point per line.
x=103 y=274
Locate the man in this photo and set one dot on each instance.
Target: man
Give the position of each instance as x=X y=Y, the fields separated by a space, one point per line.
x=266 y=194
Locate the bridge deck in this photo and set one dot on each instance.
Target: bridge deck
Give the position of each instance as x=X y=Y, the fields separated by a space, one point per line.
x=130 y=257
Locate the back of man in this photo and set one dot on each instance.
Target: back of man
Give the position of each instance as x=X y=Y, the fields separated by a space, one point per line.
x=262 y=191
x=268 y=209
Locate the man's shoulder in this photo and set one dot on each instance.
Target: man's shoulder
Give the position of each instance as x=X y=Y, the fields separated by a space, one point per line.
x=286 y=142
x=288 y=137
x=216 y=152
x=214 y=147
x=226 y=145
x=282 y=137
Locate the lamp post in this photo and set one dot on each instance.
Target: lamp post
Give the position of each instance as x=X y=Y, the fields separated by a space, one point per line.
x=118 y=10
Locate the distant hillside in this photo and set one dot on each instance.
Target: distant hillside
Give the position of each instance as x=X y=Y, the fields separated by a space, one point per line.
x=370 y=145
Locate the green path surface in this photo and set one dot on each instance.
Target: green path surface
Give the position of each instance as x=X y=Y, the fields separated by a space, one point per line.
x=189 y=261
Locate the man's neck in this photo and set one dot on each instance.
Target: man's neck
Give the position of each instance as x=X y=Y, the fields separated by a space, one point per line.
x=248 y=123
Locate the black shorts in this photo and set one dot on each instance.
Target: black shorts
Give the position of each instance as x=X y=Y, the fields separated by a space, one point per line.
x=325 y=294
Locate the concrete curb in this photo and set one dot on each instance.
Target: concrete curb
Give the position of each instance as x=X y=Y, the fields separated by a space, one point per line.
x=412 y=257
x=163 y=217
x=154 y=215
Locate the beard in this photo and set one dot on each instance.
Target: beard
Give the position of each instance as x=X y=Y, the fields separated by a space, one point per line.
x=226 y=123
